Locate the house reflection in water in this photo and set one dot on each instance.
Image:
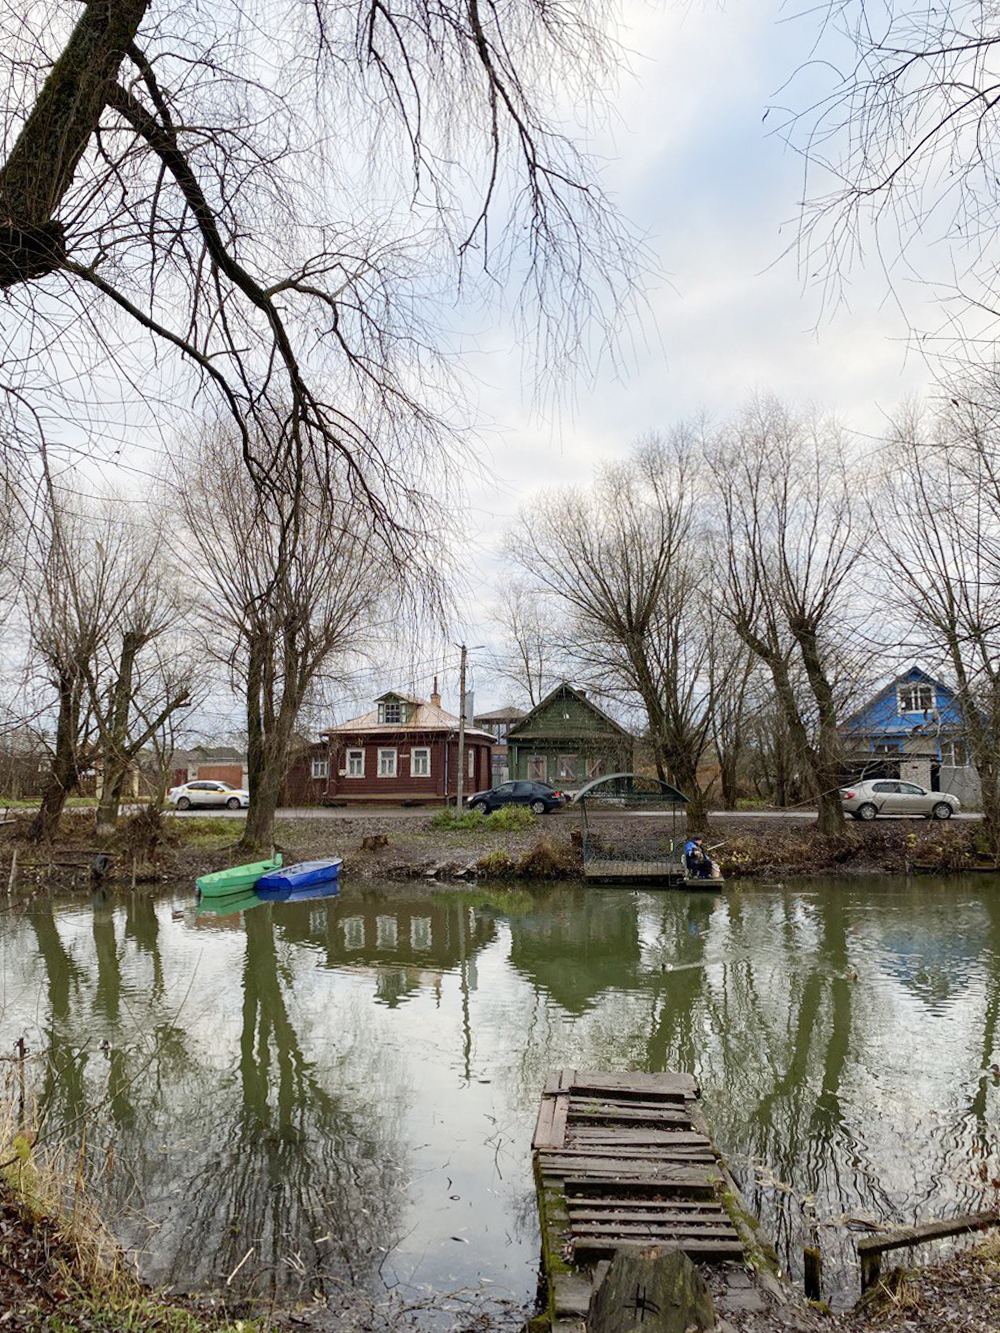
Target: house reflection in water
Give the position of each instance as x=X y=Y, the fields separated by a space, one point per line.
x=410 y=943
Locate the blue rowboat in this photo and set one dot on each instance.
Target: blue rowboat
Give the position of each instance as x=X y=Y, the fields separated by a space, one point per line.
x=302 y=875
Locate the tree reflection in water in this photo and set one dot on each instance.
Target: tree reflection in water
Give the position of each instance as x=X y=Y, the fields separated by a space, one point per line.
x=309 y=1084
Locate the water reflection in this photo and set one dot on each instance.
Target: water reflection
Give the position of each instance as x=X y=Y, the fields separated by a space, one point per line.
x=291 y=1097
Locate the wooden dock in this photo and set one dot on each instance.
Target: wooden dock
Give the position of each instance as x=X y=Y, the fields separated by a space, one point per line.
x=626 y=1158
x=620 y=870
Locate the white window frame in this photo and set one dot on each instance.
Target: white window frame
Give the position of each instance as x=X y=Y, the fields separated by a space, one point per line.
x=420 y=761
x=320 y=766
x=472 y=763
x=398 y=712
x=349 y=758
x=388 y=763
x=909 y=697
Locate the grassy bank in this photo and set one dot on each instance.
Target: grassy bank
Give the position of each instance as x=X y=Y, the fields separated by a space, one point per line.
x=511 y=845
x=61 y=1270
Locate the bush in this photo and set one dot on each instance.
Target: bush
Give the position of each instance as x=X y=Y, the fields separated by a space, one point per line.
x=497 y=864
x=508 y=819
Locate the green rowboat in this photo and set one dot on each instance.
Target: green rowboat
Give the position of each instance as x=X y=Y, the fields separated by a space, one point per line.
x=236 y=877
x=243 y=900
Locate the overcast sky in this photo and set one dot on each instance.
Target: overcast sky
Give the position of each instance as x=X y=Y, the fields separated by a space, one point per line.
x=699 y=168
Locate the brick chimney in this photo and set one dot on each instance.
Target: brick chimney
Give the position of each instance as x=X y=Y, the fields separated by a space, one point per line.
x=435 y=697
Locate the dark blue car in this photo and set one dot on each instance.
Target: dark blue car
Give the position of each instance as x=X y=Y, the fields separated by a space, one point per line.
x=539 y=797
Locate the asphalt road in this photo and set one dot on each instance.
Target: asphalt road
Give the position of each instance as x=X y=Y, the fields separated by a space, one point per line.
x=422 y=812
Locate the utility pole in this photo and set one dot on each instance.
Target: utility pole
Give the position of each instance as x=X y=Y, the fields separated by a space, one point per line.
x=460 y=786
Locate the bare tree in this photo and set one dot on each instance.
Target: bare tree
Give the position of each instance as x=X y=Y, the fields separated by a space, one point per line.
x=942 y=545
x=905 y=142
x=259 y=205
x=290 y=587
x=793 y=536
x=530 y=656
x=624 y=560
x=99 y=602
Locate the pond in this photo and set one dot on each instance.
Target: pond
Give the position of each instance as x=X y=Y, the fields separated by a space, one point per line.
x=341 y=1093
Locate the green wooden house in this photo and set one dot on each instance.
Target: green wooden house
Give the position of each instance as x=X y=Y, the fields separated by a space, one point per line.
x=567 y=740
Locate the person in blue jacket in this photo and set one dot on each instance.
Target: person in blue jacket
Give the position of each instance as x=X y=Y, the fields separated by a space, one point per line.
x=697 y=859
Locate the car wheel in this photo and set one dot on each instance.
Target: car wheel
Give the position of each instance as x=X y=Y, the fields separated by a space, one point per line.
x=538 y=807
x=233 y=803
x=183 y=803
x=941 y=811
x=481 y=806
x=866 y=812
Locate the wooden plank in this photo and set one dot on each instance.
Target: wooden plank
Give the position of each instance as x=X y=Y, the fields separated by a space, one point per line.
x=665 y=1085
x=551 y=1083
x=645 y=1151
x=900 y=1237
x=559 y=1120
x=543 y=1136
x=571 y=1294
x=706 y=1229
x=650 y=1168
x=600 y=1204
x=639 y=1136
x=615 y=1105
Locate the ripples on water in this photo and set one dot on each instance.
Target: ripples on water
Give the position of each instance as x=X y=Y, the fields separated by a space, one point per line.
x=340 y=1094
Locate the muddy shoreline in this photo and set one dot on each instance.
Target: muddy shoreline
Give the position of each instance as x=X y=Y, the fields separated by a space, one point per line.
x=380 y=846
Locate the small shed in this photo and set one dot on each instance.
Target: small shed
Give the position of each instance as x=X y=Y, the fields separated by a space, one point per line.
x=632 y=829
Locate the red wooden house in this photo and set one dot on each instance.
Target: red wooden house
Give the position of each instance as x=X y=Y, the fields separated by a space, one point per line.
x=405 y=749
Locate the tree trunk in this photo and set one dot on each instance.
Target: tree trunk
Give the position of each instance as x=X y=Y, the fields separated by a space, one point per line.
x=270 y=724
x=826 y=754
x=110 y=800
x=64 y=773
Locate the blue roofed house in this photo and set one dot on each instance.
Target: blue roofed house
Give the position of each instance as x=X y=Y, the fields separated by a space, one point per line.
x=912 y=729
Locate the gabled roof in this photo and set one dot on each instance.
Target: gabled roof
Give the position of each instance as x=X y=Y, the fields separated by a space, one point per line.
x=425 y=717
x=879 y=715
x=509 y=714
x=209 y=754
x=563 y=689
x=399 y=694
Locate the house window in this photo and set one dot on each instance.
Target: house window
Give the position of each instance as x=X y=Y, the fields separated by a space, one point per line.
x=538 y=768
x=420 y=763
x=595 y=768
x=916 y=697
x=953 y=754
x=472 y=763
x=387 y=763
x=392 y=710
x=386 y=932
x=565 y=767
x=355 y=763
x=320 y=766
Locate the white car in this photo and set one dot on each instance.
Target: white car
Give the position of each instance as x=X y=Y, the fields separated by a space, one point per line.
x=890 y=796
x=206 y=793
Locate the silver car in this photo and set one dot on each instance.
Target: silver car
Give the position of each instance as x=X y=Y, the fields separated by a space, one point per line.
x=891 y=796
x=207 y=792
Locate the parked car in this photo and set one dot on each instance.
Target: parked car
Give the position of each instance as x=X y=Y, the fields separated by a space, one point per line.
x=208 y=793
x=539 y=797
x=889 y=796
